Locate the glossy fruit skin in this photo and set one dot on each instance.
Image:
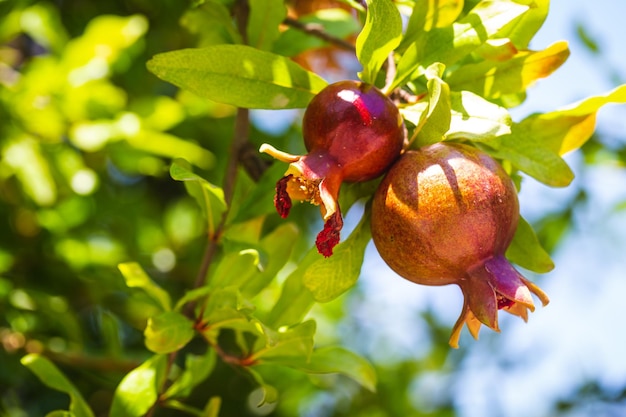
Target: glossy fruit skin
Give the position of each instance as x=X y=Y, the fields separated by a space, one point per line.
x=352 y=132
x=445 y=214
x=451 y=204
x=357 y=126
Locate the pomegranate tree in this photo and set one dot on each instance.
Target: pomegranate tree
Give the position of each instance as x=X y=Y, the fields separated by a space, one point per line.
x=352 y=132
x=445 y=214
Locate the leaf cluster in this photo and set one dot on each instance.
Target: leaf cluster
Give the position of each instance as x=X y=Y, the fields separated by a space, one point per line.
x=151 y=208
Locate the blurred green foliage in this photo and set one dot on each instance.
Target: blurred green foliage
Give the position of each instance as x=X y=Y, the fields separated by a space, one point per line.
x=102 y=167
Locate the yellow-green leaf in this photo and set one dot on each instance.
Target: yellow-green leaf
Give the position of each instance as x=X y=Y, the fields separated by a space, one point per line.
x=437 y=119
x=168 y=332
x=338 y=360
x=239 y=75
x=441 y=13
x=450 y=44
x=494 y=79
x=139 y=389
x=570 y=127
x=476 y=119
x=327 y=278
x=50 y=375
x=209 y=197
x=136 y=277
x=526 y=250
x=381 y=33
x=263 y=21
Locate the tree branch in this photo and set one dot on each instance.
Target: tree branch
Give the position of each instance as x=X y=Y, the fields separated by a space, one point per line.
x=319 y=32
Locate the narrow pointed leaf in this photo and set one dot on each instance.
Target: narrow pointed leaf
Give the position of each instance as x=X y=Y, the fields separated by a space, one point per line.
x=334 y=359
x=296 y=341
x=438 y=116
x=53 y=378
x=494 y=79
x=477 y=119
x=168 y=332
x=277 y=247
x=526 y=250
x=238 y=75
x=212 y=23
x=295 y=299
x=236 y=269
x=521 y=31
x=567 y=129
x=139 y=389
x=263 y=21
x=532 y=156
x=328 y=278
x=212 y=407
x=442 y=13
x=136 y=277
x=210 y=197
x=197 y=369
x=381 y=34
x=449 y=45
x=536 y=143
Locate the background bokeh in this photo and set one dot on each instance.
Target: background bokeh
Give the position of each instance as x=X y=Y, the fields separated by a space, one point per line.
x=86 y=139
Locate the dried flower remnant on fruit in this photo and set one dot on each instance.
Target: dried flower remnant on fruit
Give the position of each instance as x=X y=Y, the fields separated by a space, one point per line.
x=352 y=132
x=445 y=214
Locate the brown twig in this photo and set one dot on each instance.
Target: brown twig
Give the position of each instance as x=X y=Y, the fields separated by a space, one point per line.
x=319 y=32
x=390 y=74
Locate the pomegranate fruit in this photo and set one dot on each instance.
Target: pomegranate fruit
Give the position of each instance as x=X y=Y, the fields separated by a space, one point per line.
x=352 y=132
x=445 y=214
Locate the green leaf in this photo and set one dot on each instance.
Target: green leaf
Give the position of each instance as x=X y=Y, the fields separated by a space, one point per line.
x=52 y=377
x=328 y=278
x=531 y=156
x=60 y=413
x=277 y=247
x=296 y=341
x=295 y=300
x=449 y=45
x=567 y=129
x=536 y=143
x=168 y=332
x=269 y=393
x=331 y=359
x=226 y=308
x=260 y=200
x=427 y=15
x=264 y=18
x=521 y=31
x=338 y=23
x=526 y=251
x=139 y=389
x=212 y=407
x=437 y=119
x=442 y=13
x=136 y=277
x=239 y=75
x=212 y=22
x=494 y=79
x=476 y=119
x=210 y=197
x=235 y=269
x=381 y=34
x=197 y=369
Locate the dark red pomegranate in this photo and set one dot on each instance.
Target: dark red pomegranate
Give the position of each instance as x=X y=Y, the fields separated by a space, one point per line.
x=445 y=214
x=352 y=132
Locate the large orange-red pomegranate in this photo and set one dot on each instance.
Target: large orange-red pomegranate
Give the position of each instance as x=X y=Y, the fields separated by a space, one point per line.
x=445 y=214
x=352 y=132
